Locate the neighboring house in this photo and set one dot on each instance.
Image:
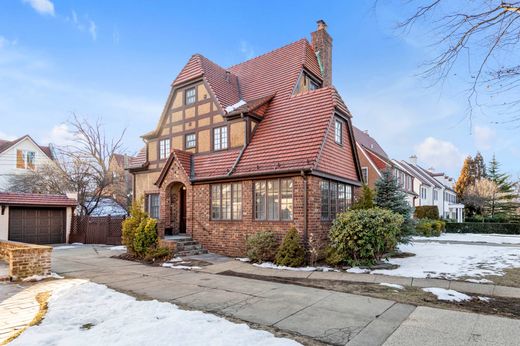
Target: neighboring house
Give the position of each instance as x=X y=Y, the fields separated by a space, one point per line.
x=374 y=161
x=36 y=218
x=260 y=146
x=122 y=180
x=107 y=206
x=434 y=189
x=20 y=156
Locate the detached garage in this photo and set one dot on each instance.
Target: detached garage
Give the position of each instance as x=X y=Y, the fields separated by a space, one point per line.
x=35 y=218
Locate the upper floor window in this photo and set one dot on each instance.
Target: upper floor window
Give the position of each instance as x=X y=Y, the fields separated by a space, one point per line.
x=423 y=192
x=226 y=201
x=338 y=132
x=190 y=96
x=220 y=138
x=25 y=159
x=306 y=83
x=274 y=199
x=364 y=172
x=164 y=148
x=152 y=205
x=335 y=198
x=191 y=140
x=435 y=195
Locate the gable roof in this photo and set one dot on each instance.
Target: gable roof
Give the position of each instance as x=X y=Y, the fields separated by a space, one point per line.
x=33 y=199
x=363 y=138
x=6 y=144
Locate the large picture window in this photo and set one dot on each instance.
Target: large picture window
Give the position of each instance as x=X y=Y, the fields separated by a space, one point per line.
x=274 y=199
x=335 y=198
x=152 y=205
x=226 y=201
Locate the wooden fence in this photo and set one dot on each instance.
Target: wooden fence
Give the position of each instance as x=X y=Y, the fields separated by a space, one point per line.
x=96 y=230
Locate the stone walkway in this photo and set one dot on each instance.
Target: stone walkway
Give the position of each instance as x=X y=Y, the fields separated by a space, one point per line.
x=18 y=304
x=461 y=286
x=323 y=315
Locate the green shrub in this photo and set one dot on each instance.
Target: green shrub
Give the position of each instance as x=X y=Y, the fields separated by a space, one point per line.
x=480 y=227
x=130 y=226
x=261 y=246
x=365 y=199
x=333 y=257
x=145 y=236
x=290 y=253
x=430 y=228
x=362 y=237
x=426 y=212
x=157 y=254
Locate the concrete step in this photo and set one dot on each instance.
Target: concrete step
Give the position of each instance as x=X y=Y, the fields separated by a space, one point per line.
x=191 y=253
x=195 y=246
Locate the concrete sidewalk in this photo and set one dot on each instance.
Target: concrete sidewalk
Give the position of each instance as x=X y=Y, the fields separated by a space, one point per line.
x=322 y=315
x=462 y=286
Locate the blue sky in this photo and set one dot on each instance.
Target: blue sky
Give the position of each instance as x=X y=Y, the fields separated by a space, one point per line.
x=116 y=60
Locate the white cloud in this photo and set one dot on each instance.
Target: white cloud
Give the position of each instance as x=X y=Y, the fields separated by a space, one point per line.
x=41 y=6
x=60 y=135
x=92 y=29
x=4 y=42
x=439 y=154
x=247 y=49
x=484 y=137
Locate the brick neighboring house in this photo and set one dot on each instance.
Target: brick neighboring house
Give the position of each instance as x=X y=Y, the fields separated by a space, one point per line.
x=374 y=160
x=122 y=182
x=263 y=145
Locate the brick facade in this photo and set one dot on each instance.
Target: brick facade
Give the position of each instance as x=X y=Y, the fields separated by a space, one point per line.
x=25 y=259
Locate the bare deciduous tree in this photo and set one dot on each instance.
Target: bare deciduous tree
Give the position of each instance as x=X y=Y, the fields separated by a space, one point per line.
x=47 y=178
x=486 y=34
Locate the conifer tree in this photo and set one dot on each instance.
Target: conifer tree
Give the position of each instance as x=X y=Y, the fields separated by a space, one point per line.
x=479 y=166
x=505 y=204
x=365 y=200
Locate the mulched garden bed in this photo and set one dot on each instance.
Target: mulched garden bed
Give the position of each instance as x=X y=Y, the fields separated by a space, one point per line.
x=507 y=307
x=158 y=263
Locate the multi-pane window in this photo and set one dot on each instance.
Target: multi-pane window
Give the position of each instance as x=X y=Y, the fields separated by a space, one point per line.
x=338 y=132
x=190 y=96
x=164 y=148
x=152 y=205
x=220 y=138
x=191 y=141
x=25 y=159
x=364 y=172
x=423 y=193
x=274 y=199
x=435 y=195
x=226 y=201
x=335 y=198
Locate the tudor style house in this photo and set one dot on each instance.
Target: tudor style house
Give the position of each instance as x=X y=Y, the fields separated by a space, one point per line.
x=374 y=160
x=21 y=156
x=260 y=146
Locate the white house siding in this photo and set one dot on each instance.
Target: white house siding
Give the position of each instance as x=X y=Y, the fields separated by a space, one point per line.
x=8 y=160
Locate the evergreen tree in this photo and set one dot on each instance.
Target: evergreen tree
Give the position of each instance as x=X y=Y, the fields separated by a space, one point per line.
x=479 y=166
x=464 y=179
x=365 y=200
x=504 y=205
x=390 y=196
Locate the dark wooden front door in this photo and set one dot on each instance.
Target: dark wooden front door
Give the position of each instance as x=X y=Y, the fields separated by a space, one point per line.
x=37 y=225
x=182 y=209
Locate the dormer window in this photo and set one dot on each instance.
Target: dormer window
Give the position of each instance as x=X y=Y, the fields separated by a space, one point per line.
x=306 y=83
x=338 y=132
x=190 y=96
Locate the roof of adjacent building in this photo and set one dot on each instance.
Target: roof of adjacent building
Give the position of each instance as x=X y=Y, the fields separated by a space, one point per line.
x=363 y=138
x=291 y=133
x=6 y=144
x=33 y=199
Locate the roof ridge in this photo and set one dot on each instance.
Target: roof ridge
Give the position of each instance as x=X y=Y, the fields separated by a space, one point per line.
x=266 y=53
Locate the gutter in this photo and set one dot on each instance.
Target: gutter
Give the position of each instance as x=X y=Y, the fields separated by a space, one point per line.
x=250 y=175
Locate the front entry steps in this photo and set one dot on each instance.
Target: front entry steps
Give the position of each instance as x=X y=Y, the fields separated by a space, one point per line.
x=183 y=245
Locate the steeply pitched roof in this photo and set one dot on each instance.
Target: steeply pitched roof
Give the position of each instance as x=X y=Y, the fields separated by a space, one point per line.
x=369 y=143
x=33 y=199
x=6 y=144
x=139 y=160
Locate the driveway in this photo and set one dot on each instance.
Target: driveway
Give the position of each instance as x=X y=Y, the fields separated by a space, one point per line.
x=322 y=315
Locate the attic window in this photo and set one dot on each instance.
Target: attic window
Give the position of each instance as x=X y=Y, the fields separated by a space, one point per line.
x=190 y=96
x=306 y=83
x=338 y=132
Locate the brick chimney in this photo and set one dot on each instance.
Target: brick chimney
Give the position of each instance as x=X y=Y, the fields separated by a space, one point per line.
x=322 y=44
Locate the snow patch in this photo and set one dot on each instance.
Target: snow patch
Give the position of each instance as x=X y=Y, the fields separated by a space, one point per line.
x=447 y=295
x=231 y=108
x=118 y=248
x=480 y=281
x=474 y=237
x=34 y=278
x=105 y=311
x=243 y=259
x=270 y=265
x=484 y=299
x=357 y=270
x=396 y=286
x=65 y=247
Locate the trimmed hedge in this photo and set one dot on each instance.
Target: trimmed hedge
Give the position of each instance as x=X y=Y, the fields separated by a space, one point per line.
x=480 y=227
x=430 y=228
x=426 y=212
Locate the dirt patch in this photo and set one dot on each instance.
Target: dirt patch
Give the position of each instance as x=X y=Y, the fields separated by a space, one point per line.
x=507 y=307
x=186 y=262
x=511 y=278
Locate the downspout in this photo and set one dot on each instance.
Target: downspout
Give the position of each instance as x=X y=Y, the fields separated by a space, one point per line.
x=305 y=226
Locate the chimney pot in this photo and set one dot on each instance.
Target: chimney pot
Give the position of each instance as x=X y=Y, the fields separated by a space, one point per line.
x=321 y=24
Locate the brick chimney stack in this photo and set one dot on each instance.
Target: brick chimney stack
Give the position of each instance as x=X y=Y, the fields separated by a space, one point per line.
x=322 y=44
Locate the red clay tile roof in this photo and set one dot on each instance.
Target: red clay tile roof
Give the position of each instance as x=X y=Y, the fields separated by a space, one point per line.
x=32 y=199
x=380 y=163
x=368 y=142
x=139 y=160
x=214 y=164
x=184 y=160
x=256 y=107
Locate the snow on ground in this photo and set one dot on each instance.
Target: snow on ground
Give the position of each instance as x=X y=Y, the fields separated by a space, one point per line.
x=91 y=314
x=271 y=265
x=357 y=270
x=179 y=266
x=243 y=259
x=396 y=286
x=118 y=248
x=452 y=261
x=473 y=237
x=448 y=295
x=42 y=277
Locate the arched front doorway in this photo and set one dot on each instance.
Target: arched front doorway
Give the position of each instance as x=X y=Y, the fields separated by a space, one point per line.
x=177 y=209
